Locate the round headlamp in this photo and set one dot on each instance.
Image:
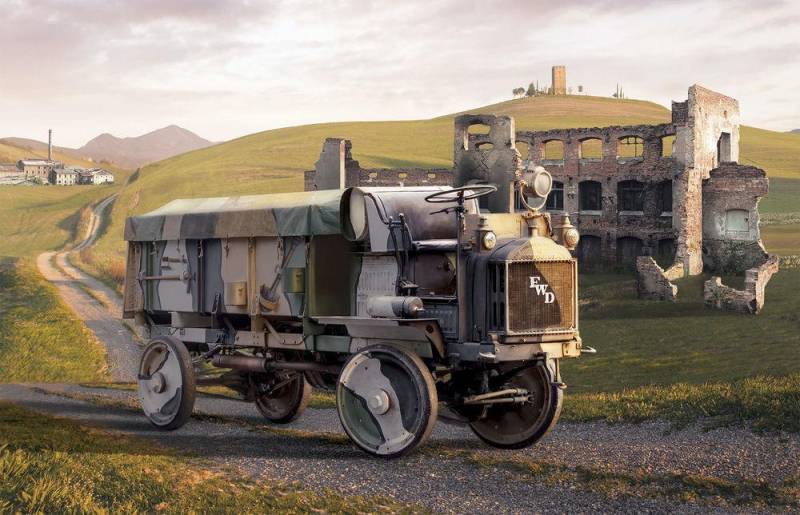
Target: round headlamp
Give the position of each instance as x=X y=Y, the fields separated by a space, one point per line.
x=571 y=238
x=489 y=240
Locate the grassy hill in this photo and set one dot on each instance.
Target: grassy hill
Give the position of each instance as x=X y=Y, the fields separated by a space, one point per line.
x=271 y=161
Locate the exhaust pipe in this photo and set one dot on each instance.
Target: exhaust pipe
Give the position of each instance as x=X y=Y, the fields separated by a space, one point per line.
x=258 y=364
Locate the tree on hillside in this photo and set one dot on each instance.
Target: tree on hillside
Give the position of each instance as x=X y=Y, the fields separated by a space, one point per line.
x=531 y=90
x=518 y=92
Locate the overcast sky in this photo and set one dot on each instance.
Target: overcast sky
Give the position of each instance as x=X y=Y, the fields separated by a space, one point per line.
x=228 y=68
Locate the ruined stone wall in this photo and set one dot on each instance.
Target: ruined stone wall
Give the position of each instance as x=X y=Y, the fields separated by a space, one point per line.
x=651 y=226
x=707 y=132
x=750 y=300
x=487 y=158
x=336 y=169
x=652 y=282
x=731 y=235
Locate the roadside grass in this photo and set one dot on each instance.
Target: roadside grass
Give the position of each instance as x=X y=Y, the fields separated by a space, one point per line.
x=108 y=269
x=40 y=340
x=54 y=465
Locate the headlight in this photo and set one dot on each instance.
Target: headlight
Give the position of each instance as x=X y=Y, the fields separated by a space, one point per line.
x=489 y=240
x=571 y=238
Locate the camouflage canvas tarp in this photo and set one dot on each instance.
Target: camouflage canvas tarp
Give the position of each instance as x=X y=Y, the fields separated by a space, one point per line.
x=280 y=214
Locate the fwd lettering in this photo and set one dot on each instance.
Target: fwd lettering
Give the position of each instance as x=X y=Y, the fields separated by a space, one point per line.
x=542 y=289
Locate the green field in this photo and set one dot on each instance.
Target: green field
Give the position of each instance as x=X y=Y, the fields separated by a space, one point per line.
x=641 y=343
x=38 y=218
x=40 y=339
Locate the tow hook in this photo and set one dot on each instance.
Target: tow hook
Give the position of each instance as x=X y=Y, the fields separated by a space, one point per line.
x=588 y=350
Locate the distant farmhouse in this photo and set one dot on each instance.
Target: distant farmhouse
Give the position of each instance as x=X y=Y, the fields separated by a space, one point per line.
x=52 y=172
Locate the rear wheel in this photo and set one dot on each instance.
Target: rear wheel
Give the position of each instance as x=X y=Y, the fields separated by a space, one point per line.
x=166 y=383
x=513 y=426
x=387 y=401
x=283 y=398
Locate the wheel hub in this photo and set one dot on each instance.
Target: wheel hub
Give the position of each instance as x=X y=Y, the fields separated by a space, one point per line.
x=378 y=402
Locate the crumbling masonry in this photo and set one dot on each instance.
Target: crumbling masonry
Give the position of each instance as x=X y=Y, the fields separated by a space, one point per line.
x=667 y=200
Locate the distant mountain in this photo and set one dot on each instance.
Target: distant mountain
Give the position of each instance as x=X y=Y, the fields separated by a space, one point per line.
x=795 y=131
x=153 y=146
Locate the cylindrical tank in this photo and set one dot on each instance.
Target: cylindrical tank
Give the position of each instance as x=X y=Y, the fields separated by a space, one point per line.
x=394 y=307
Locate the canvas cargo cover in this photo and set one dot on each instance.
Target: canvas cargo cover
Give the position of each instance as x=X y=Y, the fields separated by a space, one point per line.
x=279 y=214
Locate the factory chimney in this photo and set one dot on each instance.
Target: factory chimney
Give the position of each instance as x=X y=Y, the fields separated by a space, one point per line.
x=49 y=144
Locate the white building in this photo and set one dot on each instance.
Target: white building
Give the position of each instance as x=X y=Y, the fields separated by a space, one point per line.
x=64 y=176
x=95 y=176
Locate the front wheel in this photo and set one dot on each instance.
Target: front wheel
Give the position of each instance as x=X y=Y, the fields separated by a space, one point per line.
x=166 y=383
x=387 y=401
x=519 y=425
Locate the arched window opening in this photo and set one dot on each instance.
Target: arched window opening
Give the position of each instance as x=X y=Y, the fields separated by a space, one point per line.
x=630 y=147
x=554 y=150
x=478 y=128
x=555 y=201
x=628 y=249
x=589 y=252
x=667 y=145
x=524 y=149
x=724 y=148
x=664 y=200
x=590 y=196
x=591 y=149
x=665 y=252
x=630 y=196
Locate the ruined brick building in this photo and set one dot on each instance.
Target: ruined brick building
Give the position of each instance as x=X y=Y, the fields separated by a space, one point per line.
x=667 y=200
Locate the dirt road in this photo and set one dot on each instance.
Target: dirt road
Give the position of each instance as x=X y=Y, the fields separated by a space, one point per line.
x=96 y=304
x=579 y=468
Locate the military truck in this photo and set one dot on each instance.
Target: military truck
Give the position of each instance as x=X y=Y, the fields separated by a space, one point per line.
x=403 y=300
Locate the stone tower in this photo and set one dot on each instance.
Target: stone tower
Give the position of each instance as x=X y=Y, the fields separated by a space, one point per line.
x=559 y=86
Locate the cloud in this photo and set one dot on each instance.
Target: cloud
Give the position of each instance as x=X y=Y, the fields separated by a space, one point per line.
x=227 y=68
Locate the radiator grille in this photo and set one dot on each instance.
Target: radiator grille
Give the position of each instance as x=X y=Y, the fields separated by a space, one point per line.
x=530 y=286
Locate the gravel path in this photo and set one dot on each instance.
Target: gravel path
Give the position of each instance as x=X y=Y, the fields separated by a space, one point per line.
x=432 y=478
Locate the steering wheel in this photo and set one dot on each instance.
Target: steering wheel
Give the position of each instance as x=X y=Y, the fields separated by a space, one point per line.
x=460 y=193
